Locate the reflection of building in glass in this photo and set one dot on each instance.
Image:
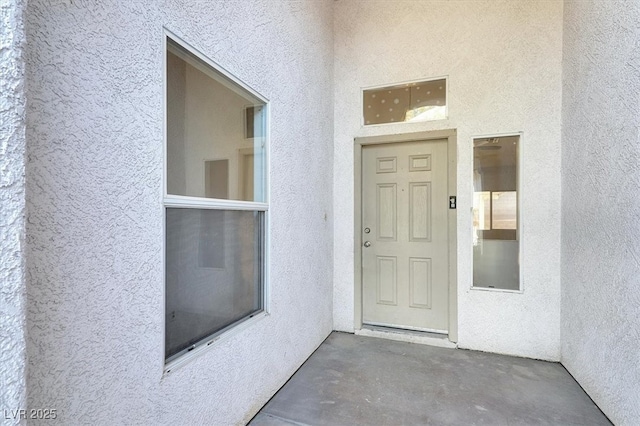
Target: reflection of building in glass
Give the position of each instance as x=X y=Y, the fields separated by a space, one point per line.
x=495 y=213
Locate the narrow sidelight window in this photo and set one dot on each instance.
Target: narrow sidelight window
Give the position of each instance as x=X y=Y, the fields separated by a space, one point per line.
x=496 y=236
x=215 y=201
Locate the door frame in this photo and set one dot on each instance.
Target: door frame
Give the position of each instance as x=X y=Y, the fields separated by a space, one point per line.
x=450 y=135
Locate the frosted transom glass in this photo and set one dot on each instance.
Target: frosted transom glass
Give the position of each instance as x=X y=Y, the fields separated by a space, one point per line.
x=410 y=102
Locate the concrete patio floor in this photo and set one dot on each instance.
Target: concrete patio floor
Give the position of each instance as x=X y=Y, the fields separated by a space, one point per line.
x=356 y=380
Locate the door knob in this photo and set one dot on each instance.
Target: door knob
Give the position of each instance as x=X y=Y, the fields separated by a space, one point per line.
x=367 y=244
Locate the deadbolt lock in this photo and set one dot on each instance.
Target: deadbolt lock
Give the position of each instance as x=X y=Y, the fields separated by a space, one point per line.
x=367 y=230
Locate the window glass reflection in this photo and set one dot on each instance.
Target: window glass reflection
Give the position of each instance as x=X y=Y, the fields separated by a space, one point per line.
x=495 y=213
x=215 y=133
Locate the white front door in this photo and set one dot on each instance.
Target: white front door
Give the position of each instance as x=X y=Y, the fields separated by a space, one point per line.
x=405 y=235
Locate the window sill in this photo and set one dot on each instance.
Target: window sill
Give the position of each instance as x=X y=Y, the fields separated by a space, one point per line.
x=498 y=290
x=175 y=364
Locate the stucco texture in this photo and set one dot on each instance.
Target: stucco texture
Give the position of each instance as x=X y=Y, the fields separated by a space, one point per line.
x=13 y=354
x=600 y=206
x=503 y=62
x=94 y=196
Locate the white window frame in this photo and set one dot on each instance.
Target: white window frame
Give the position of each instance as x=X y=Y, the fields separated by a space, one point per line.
x=181 y=201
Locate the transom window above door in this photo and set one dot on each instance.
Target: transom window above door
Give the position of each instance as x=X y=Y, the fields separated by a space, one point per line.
x=407 y=102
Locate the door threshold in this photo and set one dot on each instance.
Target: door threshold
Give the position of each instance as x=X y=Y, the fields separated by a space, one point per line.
x=409 y=336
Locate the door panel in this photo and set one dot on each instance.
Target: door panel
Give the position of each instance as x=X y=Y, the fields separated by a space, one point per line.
x=405 y=251
x=386 y=211
x=420 y=283
x=420 y=211
x=387 y=291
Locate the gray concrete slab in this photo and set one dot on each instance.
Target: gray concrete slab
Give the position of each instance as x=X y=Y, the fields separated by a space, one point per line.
x=356 y=380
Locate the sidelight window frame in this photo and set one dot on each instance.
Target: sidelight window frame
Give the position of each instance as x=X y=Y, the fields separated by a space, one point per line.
x=172 y=201
x=519 y=211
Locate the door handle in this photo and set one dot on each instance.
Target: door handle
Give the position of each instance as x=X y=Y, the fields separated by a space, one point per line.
x=367 y=244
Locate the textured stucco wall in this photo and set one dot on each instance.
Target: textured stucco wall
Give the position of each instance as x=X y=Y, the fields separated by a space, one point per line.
x=600 y=205
x=95 y=232
x=13 y=356
x=503 y=59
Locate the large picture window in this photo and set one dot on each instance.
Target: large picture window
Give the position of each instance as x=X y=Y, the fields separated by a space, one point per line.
x=215 y=201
